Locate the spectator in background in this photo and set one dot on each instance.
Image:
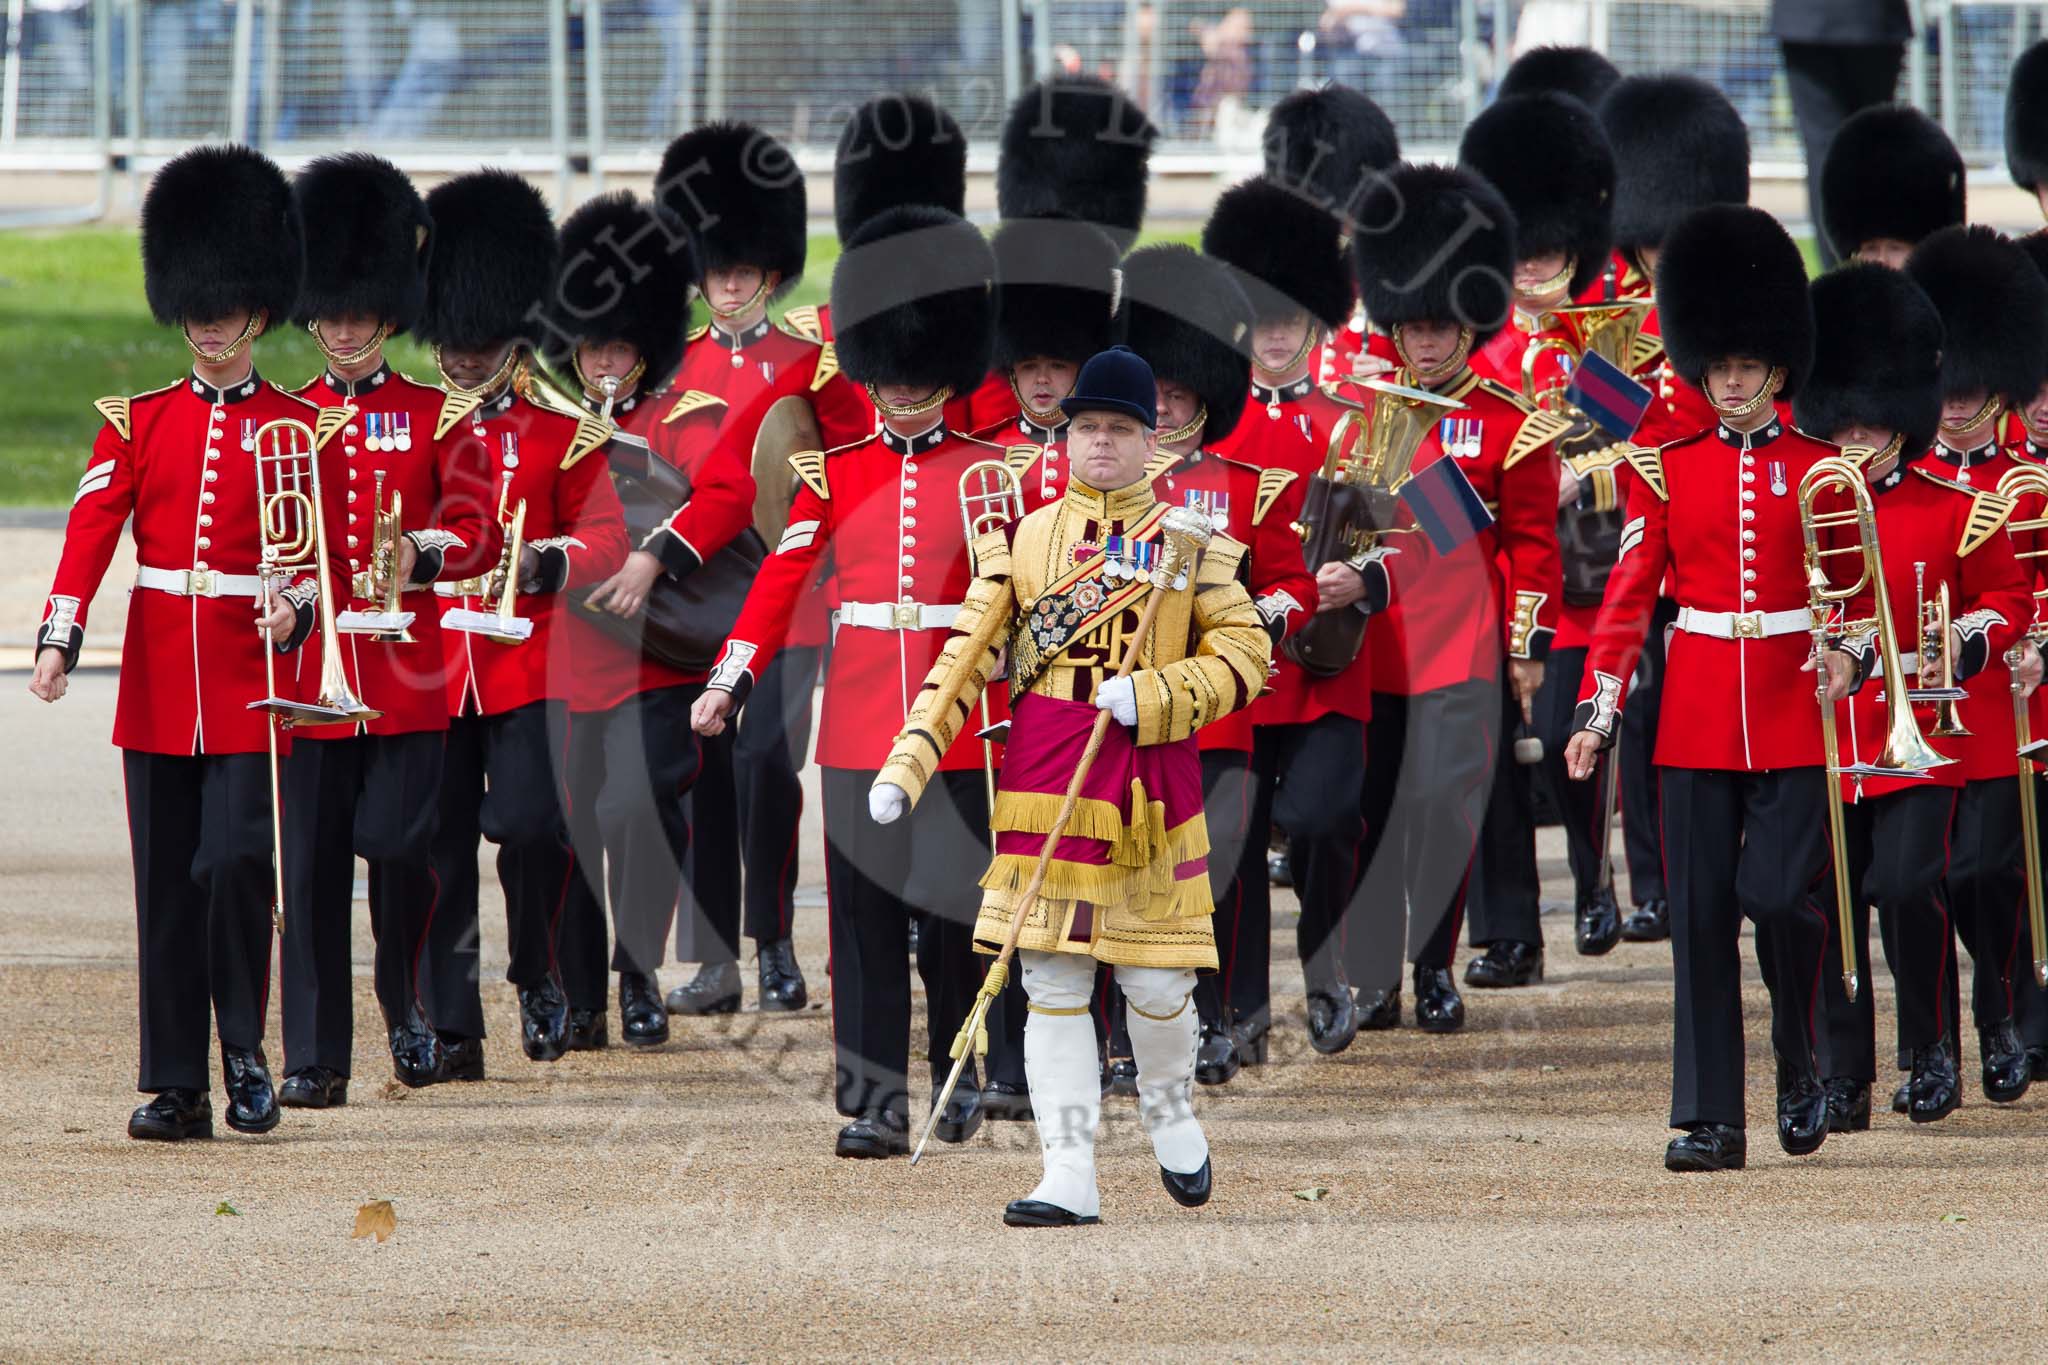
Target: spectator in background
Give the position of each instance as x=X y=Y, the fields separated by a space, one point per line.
x=1840 y=56
x=1226 y=68
x=1364 y=40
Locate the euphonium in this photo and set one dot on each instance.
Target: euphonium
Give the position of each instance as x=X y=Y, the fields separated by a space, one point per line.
x=2020 y=482
x=990 y=499
x=1906 y=752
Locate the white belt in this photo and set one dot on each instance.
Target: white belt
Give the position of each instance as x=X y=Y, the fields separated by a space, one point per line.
x=200 y=582
x=459 y=587
x=1745 y=625
x=897 y=616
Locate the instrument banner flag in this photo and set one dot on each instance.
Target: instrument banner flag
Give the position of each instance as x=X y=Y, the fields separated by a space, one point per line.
x=1606 y=393
x=1445 y=505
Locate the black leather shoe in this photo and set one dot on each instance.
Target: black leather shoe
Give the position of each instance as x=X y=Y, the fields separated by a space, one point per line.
x=1332 y=1018
x=1252 y=1041
x=314 y=1088
x=1848 y=1105
x=1379 y=1008
x=462 y=1059
x=1597 y=926
x=1506 y=963
x=1902 y=1098
x=1279 y=871
x=1120 y=1079
x=1188 y=1191
x=1005 y=1102
x=1036 y=1213
x=876 y=1133
x=543 y=1020
x=1649 y=922
x=714 y=990
x=1935 y=1088
x=1215 y=1056
x=252 y=1102
x=415 y=1054
x=1438 y=1006
x=961 y=1118
x=642 y=1020
x=1707 y=1147
x=2007 y=1069
x=587 y=1031
x=173 y=1116
x=782 y=981
x=1802 y=1111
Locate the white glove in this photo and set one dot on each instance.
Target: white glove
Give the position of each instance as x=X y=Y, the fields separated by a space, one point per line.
x=887 y=802
x=1119 y=697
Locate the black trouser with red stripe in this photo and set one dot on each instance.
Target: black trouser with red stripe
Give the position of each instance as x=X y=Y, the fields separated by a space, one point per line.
x=745 y=812
x=377 y=796
x=502 y=781
x=1642 y=830
x=199 y=829
x=630 y=772
x=1240 y=891
x=1506 y=894
x=1987 y=889
x=1429 y=768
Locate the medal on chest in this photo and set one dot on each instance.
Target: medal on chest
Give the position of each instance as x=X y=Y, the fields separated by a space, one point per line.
x=1125 y=558
x=1214 y=507
x=508 y=447
x=1777 y=475
x=1460 y=436
x=248 y=433
x=398 y=431
x=768 y=371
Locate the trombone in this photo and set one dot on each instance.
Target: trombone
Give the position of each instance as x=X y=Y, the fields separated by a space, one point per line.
x=990 y=499
x=500 y=622
x=1906 y=752
x=1933 y=615
x=2023 y=481
x=389 y=623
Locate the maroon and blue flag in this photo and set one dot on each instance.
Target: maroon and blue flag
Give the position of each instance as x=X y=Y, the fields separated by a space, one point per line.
x=1606 y=393
x=1445 y=504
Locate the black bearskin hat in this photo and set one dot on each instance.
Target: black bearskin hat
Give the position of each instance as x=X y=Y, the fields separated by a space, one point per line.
x=2026 y=119
x=1287 y=249
x=1580 y=72
x=1994 y=309
x=625 y=273
x=494 y=262
x=1890 y=172
x=1327 y=143
x=1076 y=147
x=1678 y=145
x=1732 y=283
x=912 y=300
x=367 y=240
x=2035 y=244
x=1187 y=317
x=1056 y=290
x=739 y=193
x=1549 y=159
x=1436 y=244
x=897 y=149
x=220 y=233
x=1876 y=357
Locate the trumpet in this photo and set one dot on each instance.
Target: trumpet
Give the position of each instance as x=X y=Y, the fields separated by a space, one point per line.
x=1933 y=613
x=2029 y=481
x=1906 y=752
x=990 y=498
x=502 y=621
x=389 y=623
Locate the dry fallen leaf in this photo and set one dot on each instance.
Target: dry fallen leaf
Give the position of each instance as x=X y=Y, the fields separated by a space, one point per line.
x=395 y=1091
x=1313 y=1194
x=375 y=1219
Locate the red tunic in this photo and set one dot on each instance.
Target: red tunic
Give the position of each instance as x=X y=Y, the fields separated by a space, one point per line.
x=176 y=459
x=446 y=506
x=573 y=517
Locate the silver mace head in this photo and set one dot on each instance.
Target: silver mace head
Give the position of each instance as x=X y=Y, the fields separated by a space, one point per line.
x=1186 y=533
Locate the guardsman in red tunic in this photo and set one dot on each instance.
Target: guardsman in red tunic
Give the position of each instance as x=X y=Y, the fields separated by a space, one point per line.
x=374 y=788
x=1458 y=658
x=910 y=299
x=619 y=314
x=1994 y=313
x=1549 y=159
x=738 y=192
x=1740 y=753
x=222 y=257
x=1184 y=315
x=2029 y=428
x=1309 y=747
x=493 y=271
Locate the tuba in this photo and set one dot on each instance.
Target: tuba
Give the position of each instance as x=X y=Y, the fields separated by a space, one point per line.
x=990 y=499
x=1906 y=752
x=1350 y=504
x=2029 y=481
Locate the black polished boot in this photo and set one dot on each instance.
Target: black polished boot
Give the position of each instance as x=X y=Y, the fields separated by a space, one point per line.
x=1215 y=1056
x=1120 y=1079
x=1006 y=1102
x=1707 y=1147
x=173 y=1116
x=1649 y=922
x=1251 y=1038
x=1438 y=1006
x=961 y=1118
x=714 y=990
x=782 y=981
x=1189 y=1191
x=315 y=1087
x=586 y=1031
x=1802 y=1110
x=2008 y=1071
x=1902 y=1098
x=878 y=1132
x=642 y=1020
x=1379 y=1008
x=462 y=1059
x=543 y=1020
x=1506 y=963
x=1332 y=1014
x=252 y=1102
x=1934 y=1090
x=1848 y=1104
x=415 y=1053
x=1597 y=925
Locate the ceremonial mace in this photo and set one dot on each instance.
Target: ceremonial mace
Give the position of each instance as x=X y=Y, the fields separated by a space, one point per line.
x=1186 y=532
